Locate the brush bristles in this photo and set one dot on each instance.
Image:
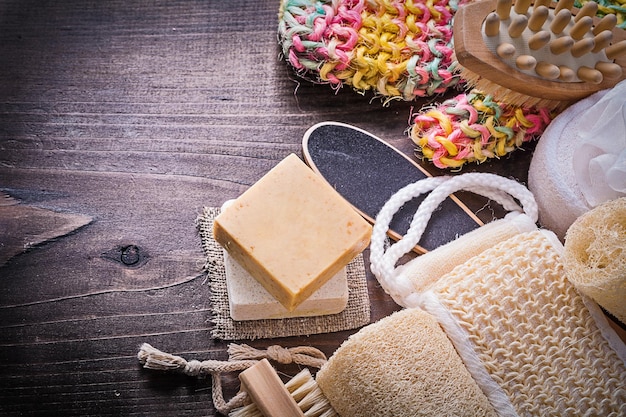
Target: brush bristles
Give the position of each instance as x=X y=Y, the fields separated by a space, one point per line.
x=511 y=97
x=249 y=410
x=307 y=394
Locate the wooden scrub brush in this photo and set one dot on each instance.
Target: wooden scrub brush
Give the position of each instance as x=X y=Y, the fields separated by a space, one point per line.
x=262 y=391
x=299 y=397
x=544 y=55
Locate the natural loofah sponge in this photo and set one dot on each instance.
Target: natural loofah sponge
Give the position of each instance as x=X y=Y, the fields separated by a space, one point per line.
x=595 y=255
x=403 y=365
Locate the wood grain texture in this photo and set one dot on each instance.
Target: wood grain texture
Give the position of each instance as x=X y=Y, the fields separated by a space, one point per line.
x=136 y=115
x=23 y=227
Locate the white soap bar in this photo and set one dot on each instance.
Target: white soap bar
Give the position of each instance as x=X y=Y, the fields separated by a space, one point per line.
x=248 y=300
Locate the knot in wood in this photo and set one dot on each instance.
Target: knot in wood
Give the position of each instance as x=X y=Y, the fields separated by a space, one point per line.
x=280 y=354
x=130 y=255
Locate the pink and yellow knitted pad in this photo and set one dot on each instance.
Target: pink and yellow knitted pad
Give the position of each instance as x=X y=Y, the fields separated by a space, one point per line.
x=474 y=128
x=404 y=50
x=398 y=49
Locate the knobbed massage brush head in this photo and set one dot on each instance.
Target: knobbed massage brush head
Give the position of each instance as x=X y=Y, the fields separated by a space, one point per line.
x=544 y=54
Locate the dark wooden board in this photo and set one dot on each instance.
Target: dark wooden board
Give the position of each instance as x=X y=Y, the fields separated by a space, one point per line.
x=136 y=115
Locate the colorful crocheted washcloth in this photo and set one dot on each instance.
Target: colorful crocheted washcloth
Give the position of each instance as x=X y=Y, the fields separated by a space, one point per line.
x=530 y=340
x=398 y=49
x=474 y=128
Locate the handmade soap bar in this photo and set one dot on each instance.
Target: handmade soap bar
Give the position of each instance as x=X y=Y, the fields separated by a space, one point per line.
x=291 y=231
x=248 y=300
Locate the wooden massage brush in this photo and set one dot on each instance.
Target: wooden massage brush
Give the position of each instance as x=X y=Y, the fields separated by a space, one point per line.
x=545 y=55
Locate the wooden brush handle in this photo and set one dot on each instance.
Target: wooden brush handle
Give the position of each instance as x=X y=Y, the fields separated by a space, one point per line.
x=268 y=392
x=472 y=53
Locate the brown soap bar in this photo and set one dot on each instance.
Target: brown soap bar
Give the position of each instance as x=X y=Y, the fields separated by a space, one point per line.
x=291 y=231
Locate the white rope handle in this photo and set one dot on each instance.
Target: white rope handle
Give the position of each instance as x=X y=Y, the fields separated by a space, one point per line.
x=495 y=187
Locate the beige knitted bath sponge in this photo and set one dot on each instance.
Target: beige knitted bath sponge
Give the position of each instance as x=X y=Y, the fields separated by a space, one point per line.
x=546 y=347
x=595 y=255
x=403 y=365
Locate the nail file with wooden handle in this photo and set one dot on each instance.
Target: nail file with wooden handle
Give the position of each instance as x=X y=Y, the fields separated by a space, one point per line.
x=367 y=171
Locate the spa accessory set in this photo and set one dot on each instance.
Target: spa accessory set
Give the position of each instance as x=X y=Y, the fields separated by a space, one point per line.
x=505 y=318
x=501 y=329
x=400 y=50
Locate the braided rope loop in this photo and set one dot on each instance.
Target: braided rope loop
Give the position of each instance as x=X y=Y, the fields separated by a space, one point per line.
x=383 y=262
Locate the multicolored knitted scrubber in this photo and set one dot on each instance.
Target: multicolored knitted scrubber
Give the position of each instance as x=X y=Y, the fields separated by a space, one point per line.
x=474 y=128
x=398 y=49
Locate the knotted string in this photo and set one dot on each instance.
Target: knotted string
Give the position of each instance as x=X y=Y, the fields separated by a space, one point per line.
x=241 y=357
x=302 y=355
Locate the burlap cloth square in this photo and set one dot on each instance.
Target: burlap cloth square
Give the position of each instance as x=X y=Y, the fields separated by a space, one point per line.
x=356 y=314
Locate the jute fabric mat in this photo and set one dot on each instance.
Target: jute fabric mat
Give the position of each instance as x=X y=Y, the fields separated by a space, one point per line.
x=356 y=314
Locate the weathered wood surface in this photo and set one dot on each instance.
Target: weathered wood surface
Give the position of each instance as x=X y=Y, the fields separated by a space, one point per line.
x=136 y=115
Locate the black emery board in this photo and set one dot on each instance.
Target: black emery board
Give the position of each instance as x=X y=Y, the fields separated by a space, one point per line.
x=367 y=171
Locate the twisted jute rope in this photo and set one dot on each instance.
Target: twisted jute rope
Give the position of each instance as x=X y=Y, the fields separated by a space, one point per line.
x=302 y=355
x=241 y=357
x=383 y=260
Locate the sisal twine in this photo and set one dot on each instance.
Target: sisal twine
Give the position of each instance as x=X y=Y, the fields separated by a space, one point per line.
x=302 y=355
x=241 y=357
x=152 y=358
x=356 y=314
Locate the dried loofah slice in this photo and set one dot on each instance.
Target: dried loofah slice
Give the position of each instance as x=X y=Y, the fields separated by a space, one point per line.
x=595 y=255
x=403 y=365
